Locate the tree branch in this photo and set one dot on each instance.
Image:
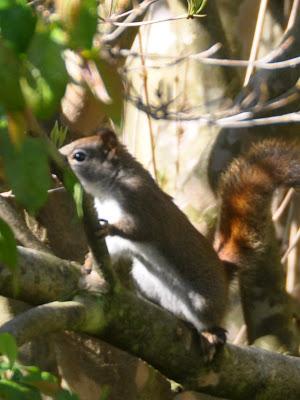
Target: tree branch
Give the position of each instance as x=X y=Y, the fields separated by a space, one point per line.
x=145 y=330
x=52 y=317
x=42 y=277
x=17 y=224
x=139 y=327
x=136 y=14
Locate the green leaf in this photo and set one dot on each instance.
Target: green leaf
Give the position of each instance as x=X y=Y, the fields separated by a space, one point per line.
x=80 y=20
x=66 y=395
x=35 y=374
x=58 y=135
x=10 y=390
x=195 y=6
x=8 y=246
x=45 y=382
x=105 y=392
x=8 y=347
x=27 y=171
x=11 y=97
x=73 y=186
x=44 y=76
x=17 y=23
x=113 y=106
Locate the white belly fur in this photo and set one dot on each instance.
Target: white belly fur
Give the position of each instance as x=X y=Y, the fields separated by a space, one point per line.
x=151 y=286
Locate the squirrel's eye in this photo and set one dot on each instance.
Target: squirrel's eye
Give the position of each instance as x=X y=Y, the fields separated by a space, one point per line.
x=79 y=156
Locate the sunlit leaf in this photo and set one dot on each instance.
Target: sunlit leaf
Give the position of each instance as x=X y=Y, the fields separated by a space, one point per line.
x=195 y=6
x=58 y=135
x=75 y=189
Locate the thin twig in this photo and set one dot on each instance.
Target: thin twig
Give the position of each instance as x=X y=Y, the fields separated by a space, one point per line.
x=291 y=257
x=287 y=198
x=293 y=14
x=204 y=58
x=256 y=39
x=138 y=12
x=33 y=2
x=146 y=92
x=241 y=336
x=145 y=4
x=293 y=243
x=241 y=120
x=152 y=21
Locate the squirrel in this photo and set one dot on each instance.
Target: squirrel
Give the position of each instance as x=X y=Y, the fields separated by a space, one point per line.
x=246 y=189
x=174 y=265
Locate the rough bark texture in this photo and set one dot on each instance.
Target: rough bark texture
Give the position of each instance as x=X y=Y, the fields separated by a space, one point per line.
x=142 y=329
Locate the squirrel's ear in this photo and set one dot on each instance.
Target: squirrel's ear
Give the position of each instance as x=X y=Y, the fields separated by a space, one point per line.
x=109 y=138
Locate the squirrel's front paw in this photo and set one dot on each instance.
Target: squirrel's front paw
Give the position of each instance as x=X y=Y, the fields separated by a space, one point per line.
x=104 y=229
x=211 y=340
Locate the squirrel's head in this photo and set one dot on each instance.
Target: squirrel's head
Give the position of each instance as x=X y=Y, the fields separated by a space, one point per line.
x=93 y=159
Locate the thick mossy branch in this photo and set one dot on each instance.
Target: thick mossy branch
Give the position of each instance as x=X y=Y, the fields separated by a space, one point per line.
x=145 y=330
x=142 y=329
x=38 y=321
x=41 y=277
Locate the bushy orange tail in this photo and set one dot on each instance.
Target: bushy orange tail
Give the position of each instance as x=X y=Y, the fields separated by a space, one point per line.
x=246 y=190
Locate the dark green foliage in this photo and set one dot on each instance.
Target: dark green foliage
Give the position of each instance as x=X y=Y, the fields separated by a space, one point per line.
x=27 y=170
x=17 y=23
x=19 y=382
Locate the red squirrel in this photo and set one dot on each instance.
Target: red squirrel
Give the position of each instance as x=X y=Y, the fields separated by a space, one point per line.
x=174 y=265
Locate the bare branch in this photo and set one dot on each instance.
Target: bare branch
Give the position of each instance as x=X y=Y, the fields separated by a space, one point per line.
x=256 y=39
x=287 y=198
x=293 y=14
x=142 y=329
x=145 y=3
x=135 y=14
x=41 y=320
x=293 y=244
x=152 y=21
x=204 y=57
x=42 y=277
x=147 y=331
x=229 y=119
